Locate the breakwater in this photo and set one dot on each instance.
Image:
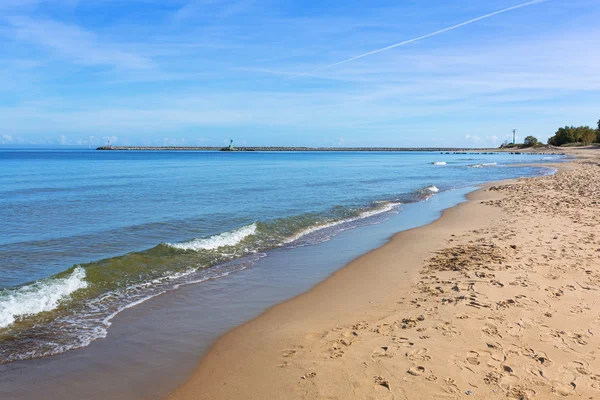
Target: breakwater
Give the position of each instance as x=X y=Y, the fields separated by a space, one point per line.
x=444 y=150
x=271 y=148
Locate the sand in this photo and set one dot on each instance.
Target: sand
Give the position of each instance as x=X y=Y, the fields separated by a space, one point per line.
x=496 y=299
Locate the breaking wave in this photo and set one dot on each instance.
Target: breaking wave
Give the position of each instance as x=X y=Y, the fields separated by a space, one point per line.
x=387 y=207
x=214 y=242
x=483 y=165
x=426 y=192
x=41 y=296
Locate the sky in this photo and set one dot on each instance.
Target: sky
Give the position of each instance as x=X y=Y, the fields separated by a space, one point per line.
x=289 y=73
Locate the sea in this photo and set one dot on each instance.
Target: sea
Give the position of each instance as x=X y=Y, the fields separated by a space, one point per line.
x=86 y=234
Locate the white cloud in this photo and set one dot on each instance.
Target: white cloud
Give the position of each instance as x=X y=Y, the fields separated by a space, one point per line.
x=472 y=138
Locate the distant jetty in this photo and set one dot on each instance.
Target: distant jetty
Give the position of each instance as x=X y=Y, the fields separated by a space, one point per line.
x=445 y=150
x=269 y=148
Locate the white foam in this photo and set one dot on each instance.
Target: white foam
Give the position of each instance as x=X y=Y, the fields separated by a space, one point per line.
x=483 y=165
x=41 y=296
x=387 y=207
x=214 y=242
x=439 y=163
x=432 y=189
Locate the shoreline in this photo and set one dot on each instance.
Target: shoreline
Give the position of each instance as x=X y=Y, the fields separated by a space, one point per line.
x=277 y=353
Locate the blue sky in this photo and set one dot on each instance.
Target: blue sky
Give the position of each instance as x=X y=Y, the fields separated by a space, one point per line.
x=198 y=72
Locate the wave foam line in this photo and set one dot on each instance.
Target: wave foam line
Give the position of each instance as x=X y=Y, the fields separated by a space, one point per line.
x=230 y=238
x=365 y=214
x=483 y=165
x=41 y=296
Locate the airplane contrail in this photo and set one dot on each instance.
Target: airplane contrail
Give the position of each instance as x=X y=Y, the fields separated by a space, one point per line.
x=529 y=3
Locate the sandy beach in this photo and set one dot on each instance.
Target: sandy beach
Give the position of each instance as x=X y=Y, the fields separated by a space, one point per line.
x=495 y=299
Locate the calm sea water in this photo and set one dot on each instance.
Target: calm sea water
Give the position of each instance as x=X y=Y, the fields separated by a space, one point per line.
x=85 y=234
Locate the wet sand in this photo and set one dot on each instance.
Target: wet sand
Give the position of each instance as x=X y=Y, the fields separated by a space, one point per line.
x=494 y=299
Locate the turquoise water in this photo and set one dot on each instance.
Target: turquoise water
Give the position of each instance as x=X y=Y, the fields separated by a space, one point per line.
x=85 y=234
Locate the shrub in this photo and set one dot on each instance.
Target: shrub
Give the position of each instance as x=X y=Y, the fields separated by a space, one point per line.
x=530 y=141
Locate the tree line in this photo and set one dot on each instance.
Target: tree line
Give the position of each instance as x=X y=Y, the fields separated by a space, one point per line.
x=572 y=134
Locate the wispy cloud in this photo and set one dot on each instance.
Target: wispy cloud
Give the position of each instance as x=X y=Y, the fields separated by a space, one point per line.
x=529 y=3
x=79 y=45
x=200 y=9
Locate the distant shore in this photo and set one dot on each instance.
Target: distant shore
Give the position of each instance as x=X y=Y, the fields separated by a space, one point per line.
x=448 y=150
x=495 y=299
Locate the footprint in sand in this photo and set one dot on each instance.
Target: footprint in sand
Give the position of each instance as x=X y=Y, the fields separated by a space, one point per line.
x=492 y=359
x=491 y=330
x=382 y=352
x=448 y=329
x=539 y=356
x=418 y=354
x=473 y=358
x=308 y=375
x=382 y=382
x=579 y=337
x=384 y=329
x=521 y=393
x=575 y=310
x=416 y=371
x=292 y=352
x=580 y=367
x=360 y=325
x=543 y=359
x=404 y=341
x=515 y=389
x=554 y=293
x=492 y=378
x=565 y=384
x=563 y=389
x=450 y=386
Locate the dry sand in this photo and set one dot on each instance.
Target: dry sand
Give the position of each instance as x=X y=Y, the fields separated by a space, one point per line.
x=498 y=298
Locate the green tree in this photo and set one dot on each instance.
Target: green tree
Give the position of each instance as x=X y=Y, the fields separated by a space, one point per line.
x=588 y=136
x=571 y=134
x=530 y=141
x=563 y=136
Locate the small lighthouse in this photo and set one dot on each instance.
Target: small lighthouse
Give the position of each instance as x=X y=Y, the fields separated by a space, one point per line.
x=230 y=144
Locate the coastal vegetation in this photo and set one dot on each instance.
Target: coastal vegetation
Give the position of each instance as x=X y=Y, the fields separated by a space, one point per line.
x=583 y=135
x=530 y=141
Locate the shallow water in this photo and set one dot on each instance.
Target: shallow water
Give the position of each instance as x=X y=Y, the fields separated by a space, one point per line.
x=87 y=234
x=153 y=347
